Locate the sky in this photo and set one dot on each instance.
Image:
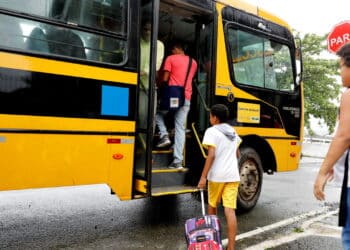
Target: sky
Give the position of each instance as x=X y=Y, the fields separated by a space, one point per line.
x=308 y=16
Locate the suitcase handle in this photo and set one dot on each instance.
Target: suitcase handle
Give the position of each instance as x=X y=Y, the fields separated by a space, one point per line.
x=202 y=201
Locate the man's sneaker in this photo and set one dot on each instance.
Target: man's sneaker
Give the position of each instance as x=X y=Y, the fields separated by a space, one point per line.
x=163 y=142
x=176 y=165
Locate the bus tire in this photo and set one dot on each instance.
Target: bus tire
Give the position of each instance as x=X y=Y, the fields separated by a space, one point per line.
x=251 y=174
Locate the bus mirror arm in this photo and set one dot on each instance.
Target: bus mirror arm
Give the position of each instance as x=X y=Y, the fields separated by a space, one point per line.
x=298 y=61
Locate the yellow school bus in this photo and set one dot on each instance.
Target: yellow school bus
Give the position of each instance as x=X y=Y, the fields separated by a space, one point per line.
x=75 y=111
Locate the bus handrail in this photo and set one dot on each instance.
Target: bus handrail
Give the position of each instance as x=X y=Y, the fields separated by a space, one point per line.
x=198 y=140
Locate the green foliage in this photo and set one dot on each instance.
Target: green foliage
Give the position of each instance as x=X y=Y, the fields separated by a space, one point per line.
x=321 y=89
x=298 y=230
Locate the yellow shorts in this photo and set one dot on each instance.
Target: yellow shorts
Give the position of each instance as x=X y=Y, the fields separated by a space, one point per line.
x=225 y=191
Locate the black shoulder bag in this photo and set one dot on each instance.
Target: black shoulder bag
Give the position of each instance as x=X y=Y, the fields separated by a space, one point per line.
x=173 y=97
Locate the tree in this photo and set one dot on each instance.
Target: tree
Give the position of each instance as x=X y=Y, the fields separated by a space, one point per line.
x=321 y=89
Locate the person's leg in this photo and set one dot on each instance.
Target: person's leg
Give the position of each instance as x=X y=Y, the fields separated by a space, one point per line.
x=346 y=229
x=180 y=118
x=212 y=210
x=229 y=199
x=163 y=132
x=143 y=100
x=231 y=221
x=214 y=196
x=160 y=123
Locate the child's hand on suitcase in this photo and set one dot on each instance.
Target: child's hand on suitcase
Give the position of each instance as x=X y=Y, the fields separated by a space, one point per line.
x=202 y=183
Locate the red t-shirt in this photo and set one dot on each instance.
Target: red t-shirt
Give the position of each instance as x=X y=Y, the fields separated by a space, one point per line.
x=177 y=66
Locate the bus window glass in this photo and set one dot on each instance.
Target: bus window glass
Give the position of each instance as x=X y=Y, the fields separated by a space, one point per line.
x=204 y=72
x=260 y=62
x=108 y=15
x=108 y=46
x=282 y=66
x=11 y=32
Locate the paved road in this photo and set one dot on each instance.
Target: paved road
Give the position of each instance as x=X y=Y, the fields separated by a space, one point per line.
x=89 y=218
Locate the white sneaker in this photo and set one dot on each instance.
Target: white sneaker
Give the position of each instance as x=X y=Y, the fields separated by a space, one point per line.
x=177 y=165
x=163 y=142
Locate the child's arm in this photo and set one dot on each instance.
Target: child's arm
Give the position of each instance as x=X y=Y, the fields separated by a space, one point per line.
x=208 y=163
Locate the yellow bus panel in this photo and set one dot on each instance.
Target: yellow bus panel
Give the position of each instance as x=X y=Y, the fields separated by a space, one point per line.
x=287 y=153
x=66 y=160
x=287 y=150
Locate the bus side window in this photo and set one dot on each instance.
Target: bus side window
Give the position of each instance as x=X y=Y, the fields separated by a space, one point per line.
x=37 y=41
x=104 y=49
x=10 y=32
x=65 y=42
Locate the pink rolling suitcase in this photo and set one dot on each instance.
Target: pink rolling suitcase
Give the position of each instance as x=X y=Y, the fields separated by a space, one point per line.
x=203 y=232
x=205 y=245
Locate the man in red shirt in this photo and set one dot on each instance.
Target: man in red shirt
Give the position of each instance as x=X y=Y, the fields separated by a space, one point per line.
x=175 y=70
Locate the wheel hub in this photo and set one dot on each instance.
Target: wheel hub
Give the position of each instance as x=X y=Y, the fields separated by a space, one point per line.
x=249 y=180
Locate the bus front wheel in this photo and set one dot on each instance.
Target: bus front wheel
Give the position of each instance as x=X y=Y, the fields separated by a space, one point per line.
x=251 y=175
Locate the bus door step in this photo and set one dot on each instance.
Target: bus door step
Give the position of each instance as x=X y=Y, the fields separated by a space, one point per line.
x=169 y=190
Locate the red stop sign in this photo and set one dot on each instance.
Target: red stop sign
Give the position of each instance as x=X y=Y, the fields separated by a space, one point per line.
x=339 y=36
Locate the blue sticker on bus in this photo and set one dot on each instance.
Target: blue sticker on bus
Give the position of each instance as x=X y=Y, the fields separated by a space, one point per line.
x=115 y=101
